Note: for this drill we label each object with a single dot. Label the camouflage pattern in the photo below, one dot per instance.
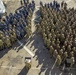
(73, 61)
(57, 28)
(1, 44)
(48, 43)
(12, 38)
(51, 50)
(45, 41)
(59, 60)
(55, 54)
(7, 42)
(61, 53)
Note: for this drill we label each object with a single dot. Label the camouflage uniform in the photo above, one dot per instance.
(65, 55)
(51, 50)
(58, 46)
(1, 44)
(65, 6)
(3, 39)
(55, 54)
(12, 39)
(61, 52)
(73, 61)
(68, 48)
(44, 35)
(1, 34)
(28, 31)
(71, 54)
(7, 42)
(48, 43)
(59, 60)
(50, 36)
(45, 41)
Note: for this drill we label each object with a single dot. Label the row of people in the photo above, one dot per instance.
(55, 5)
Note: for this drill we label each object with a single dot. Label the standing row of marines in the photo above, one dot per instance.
(15, 26)
(58, 29)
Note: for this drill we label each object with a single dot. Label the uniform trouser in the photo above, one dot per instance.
(22, 35)
(5, 45)
(51, 53)
(48, 45)
(12, 41)
(58, 63)
(55, 56)
(15, 39)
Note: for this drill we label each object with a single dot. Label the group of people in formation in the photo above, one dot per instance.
(57, 26)
(16, 26)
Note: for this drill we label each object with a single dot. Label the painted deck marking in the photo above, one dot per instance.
(26, 49)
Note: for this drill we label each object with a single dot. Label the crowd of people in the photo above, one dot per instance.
(57, 27)
(16, 26)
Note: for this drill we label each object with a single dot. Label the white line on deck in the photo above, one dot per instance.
(54, 65)
(7, 67)
(38, 68)
(26, 49)
(10, 67)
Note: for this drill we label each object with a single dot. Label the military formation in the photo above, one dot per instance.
(57, 27)
(16, 26)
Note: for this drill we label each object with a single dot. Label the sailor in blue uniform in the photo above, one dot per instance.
(50, 4)
(33, 5)
(54, 4)
(57, 6)
(22, 33)
(18, 34)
